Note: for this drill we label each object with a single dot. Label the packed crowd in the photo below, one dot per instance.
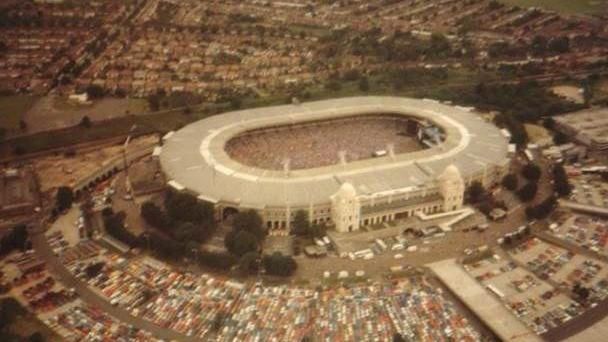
(320, 144)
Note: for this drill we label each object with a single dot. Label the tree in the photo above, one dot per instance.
(10, 309)
(317, 230)
(542, 210)
(36, 337)
(527, 192)
(65, 198)
(539, 45)
(549, 123)
(154, 102)
(249, 221)
(85, 122)
(153, 215)
(93, 270)
(510, 182)
(561, 185)
(333, 85)
(351, 75)
(19, 150)
(531, 172)
(235, 103)
(241, 242)
(186, 231)
(301, 224)
(16, 239)
(94, 91)
(476, 192)
(439, 46)
(185, 207)
(364, 84)
(248, 263)
(560, 138)
(412, 127)
(114, 226)
(398, 338)
(494, 5)
(279, 265)
(559, 44)
(220, 261)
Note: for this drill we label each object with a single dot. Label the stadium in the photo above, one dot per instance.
(347, 162)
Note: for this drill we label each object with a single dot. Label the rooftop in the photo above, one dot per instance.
(195, 158)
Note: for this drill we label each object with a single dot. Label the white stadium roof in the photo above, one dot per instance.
(194, 157)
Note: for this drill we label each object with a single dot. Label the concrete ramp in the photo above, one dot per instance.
(447, 226)
(459, 215)
(487, 307)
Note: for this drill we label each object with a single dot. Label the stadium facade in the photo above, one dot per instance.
(349, 194)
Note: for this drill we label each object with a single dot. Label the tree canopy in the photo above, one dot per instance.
(65, 198)
(250, 221)
(531, 172)
(561, 185)
(510, 182)
(527, 192)
(301, 224)
(241, 242)
(280, 265)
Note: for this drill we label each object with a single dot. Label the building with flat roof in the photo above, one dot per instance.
(18, 195)
(589, 127)
(354, 189)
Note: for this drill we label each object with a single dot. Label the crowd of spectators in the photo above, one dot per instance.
(321, 143)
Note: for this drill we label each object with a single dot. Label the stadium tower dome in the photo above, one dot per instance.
(451, 186)
(346, 208)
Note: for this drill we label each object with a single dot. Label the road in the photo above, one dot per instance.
(87, 295)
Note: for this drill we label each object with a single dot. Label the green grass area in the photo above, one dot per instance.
(537, 133)
(12, 108)
(27, 325)
(564, 6)
(425, 85)
(600, 92)
(457, 85)
(161, 122)
(126, 105)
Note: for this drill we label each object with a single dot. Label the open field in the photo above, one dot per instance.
(600, 91)
(569, 92)
(28, 324)
(12, 109)
(536, 132)
(111, 128)
(564, 6)
(51, 113)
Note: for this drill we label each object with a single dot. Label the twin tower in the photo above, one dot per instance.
(346, 205)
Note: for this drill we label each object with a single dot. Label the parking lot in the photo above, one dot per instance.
(535, 302)
(568, 269)
(590, 190)
(207, 306)
(585, 231)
